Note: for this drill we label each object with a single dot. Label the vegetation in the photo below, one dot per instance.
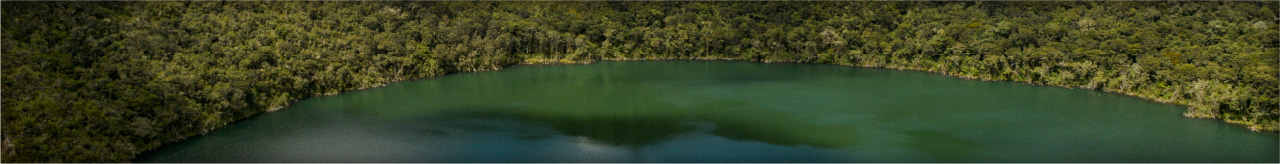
(104, 81)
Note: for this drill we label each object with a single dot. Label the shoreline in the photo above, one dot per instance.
(1182, 103)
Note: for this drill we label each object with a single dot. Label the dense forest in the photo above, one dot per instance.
(104, 81)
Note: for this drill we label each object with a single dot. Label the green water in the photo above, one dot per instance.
(719, 111)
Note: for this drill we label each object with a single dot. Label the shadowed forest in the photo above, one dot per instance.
(105, 81)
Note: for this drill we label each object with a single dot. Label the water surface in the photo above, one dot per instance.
(721, 111)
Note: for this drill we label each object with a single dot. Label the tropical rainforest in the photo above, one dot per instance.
(105, 81)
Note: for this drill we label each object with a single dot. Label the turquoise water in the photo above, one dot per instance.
(721, 111)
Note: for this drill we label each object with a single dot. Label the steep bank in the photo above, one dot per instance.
(103, 81)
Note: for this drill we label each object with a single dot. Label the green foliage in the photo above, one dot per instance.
(104, 81)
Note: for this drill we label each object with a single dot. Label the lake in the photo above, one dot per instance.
(721, 111)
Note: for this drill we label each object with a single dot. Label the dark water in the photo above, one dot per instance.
(716, 111)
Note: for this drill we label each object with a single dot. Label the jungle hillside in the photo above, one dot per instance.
(105, 81)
